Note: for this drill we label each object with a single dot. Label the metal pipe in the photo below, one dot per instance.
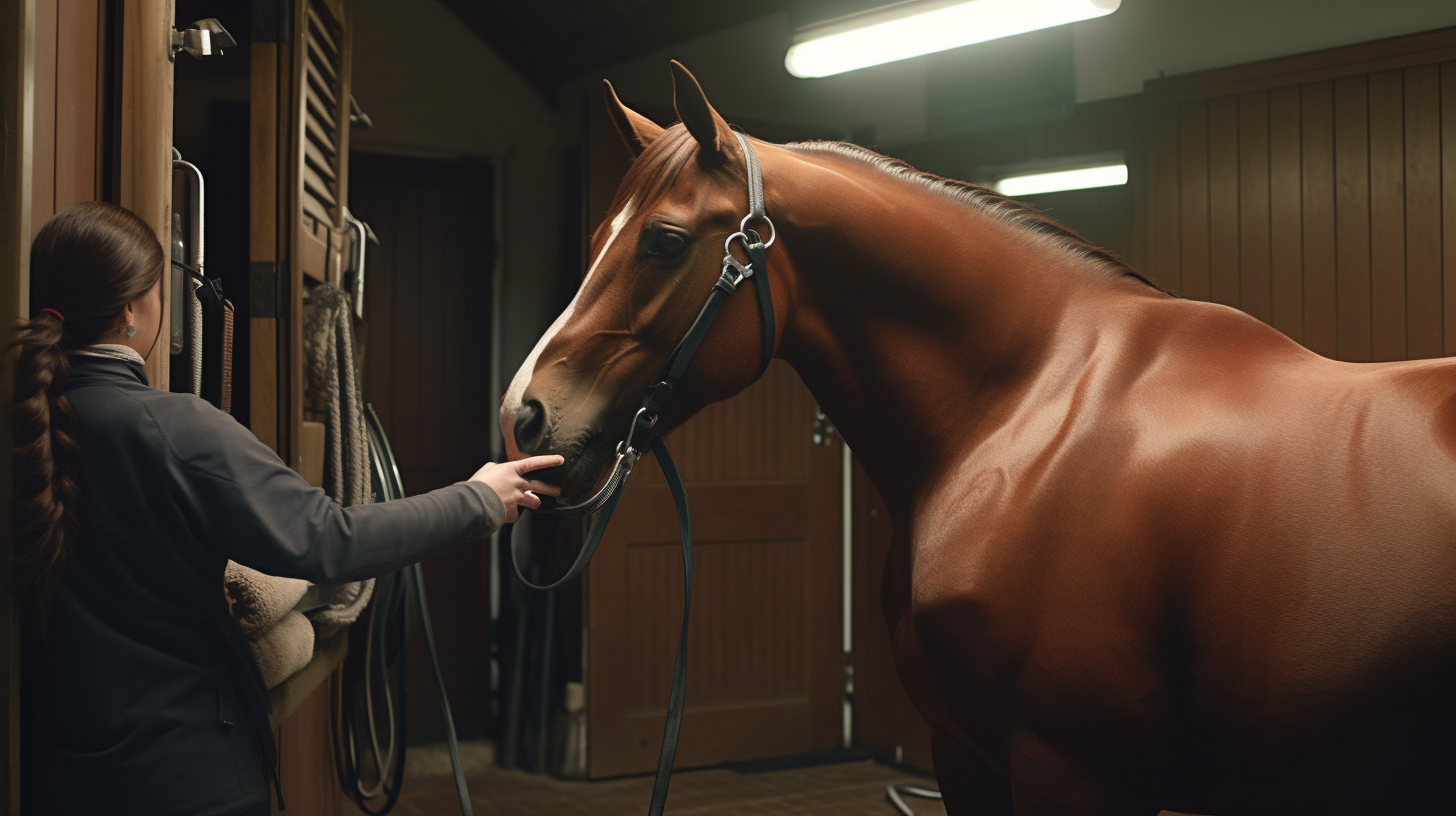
(361, 234)
(196, 215)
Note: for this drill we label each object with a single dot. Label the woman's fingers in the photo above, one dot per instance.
(544, 488)
(531, 463)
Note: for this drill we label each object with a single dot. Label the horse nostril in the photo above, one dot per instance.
(530, 426)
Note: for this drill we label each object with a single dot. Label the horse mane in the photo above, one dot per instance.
(986, 200)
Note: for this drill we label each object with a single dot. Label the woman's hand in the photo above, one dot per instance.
(508, 480)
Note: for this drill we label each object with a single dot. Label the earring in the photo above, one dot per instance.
(126, 330)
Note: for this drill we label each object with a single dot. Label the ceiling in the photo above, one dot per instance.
(550, 41)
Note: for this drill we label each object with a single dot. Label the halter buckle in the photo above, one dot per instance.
(734, 272)
(624, 448)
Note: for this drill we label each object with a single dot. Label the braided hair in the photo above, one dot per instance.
(86, 264)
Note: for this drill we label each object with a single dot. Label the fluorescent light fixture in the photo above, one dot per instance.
(912, 29)
(1081, 178)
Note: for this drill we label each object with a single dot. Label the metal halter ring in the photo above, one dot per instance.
(748, 237)
(773, 233)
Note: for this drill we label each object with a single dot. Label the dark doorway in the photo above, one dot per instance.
(426, 361)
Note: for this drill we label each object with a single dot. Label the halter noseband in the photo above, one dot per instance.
(640, 434)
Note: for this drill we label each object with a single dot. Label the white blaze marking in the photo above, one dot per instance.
(516, 392)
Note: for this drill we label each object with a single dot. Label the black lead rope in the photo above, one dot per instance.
(677, 697)
(641, 436)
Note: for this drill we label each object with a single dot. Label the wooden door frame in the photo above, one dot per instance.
(143, 128)
(17, 86)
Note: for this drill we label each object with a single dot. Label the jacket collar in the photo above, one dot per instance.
(90, 370)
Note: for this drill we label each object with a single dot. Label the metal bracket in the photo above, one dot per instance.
(205, 38)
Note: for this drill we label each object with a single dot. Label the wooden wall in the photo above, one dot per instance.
(427, 300)
(69, 74)
(1317, 193)
(17, 70)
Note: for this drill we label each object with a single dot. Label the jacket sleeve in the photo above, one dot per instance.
(254, 509)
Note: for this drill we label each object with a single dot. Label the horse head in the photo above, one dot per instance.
(655, 258)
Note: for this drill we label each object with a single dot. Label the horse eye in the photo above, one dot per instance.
(665, 244)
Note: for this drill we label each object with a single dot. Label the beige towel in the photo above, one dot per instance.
(260, 601)
(284, 649)
(333, 606)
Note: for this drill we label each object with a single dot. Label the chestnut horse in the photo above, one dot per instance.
(1150, 553)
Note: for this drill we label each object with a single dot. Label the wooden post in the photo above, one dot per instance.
(144, 134)
(17, 83)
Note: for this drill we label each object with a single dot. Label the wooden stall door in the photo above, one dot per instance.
(298, 191)
(427, 297)
(298, 188)
(765, 664)
(1317, 193)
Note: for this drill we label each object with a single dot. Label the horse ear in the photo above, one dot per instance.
(637, 130)
(707, 127)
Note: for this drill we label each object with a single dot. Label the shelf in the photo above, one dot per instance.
(291, 693)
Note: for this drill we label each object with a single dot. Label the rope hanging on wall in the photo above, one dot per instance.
(333, 390)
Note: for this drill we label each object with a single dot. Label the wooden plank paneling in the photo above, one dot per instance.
(263, 249)
(1286, 213)
(1387, 216)
(304, 757)
(1317, 178)
(1352, 217)
(425, 300)
(17, 75)
(780, 512)
(1223, 200)
(1360, 59)
(1448, 205)
(1163, 210)
(77, 125)
(765, 665)
(1343, 223)
(1255, 278)
(1192, 182)
(143, 129)
(1423, 211)
(43, 156)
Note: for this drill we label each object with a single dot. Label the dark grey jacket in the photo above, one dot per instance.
(141, 672)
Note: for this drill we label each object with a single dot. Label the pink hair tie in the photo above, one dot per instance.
(56, 313)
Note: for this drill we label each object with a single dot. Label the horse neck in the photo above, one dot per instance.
(921, 323)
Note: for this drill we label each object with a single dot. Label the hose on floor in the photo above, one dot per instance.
(897, 793)
(399, 604)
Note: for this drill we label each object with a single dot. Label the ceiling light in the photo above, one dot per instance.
(912, 29)
(1080, 178)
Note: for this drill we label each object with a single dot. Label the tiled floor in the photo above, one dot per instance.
(842, 789)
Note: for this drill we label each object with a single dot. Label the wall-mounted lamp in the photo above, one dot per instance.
(1073, 178)
(911, 29)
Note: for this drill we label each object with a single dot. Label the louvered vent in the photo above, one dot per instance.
(322, 139)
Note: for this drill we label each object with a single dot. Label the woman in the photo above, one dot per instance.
(141, 694)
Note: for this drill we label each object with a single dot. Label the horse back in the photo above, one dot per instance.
(1216, 555)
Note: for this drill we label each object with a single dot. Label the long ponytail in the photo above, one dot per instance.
(45, 463)
(87, 263)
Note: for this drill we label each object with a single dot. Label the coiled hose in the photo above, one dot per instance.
(399, 604)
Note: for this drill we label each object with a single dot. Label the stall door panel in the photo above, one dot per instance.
(765, 666)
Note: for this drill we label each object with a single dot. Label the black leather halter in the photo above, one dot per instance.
(642, 435)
